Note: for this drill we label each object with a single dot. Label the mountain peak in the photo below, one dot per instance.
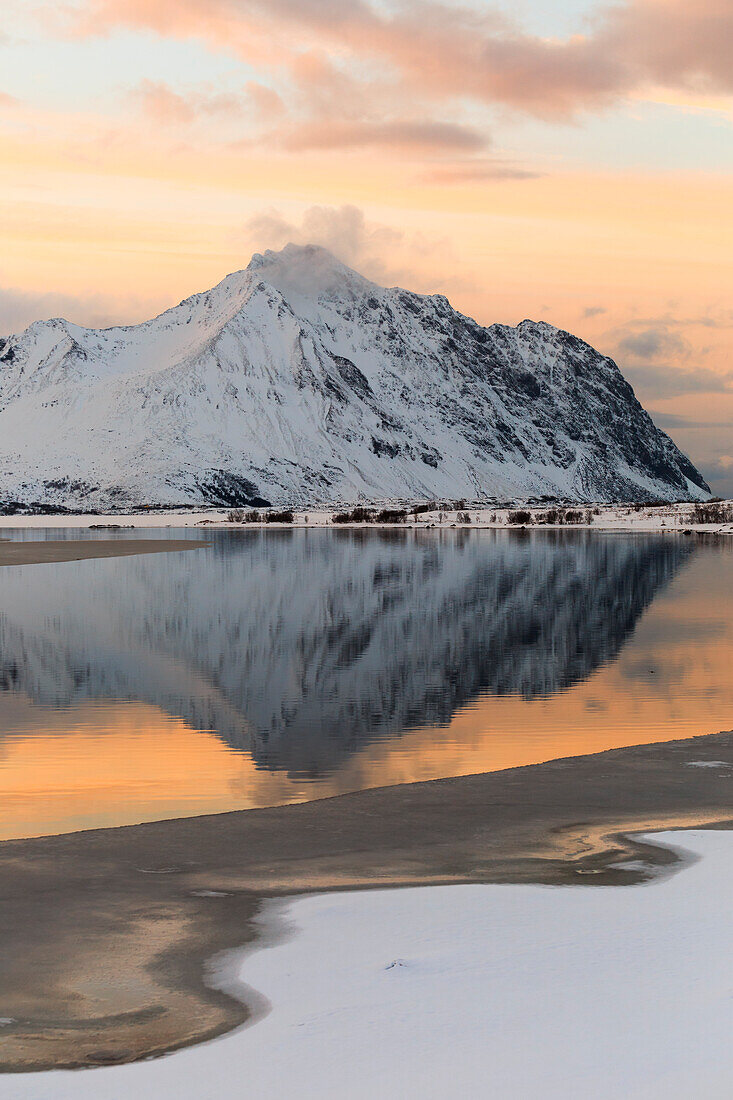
(305, 272)
(293, 255)
(298, 380)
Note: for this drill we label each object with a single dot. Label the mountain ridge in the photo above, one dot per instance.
(298, 381)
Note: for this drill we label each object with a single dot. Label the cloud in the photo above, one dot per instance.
(342, 230)
(719, 319)
(8, 101)
(658, 381)
(20, 308)
(708, 440)
(476, 170)
(331, 107)
(594, 311)
(266, 102)
(652, 343)
(660, 363)
(329, 110)
(443, 51)
(380, 252)
(162, 104)
(674, 43)
(424, 136)
(718, 473)
(169, 108)
(671, 421)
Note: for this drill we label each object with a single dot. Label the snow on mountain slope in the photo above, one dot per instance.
(297, 380)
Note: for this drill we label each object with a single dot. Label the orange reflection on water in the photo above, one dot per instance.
(114, 764)
(103, 764)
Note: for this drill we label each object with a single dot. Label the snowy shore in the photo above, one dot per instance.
(504, 990)
(599, 517)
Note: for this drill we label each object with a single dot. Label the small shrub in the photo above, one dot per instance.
(712, 512)
(253, 517)
(362, 515)
(356, 515)
(236, 515)
(391, 515)
(463, 517)
(279, 517)
(519, 516)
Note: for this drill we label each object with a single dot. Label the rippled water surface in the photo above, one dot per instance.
(275, 666)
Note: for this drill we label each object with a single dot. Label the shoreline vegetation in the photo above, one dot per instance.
(115, 970)
(713, 517)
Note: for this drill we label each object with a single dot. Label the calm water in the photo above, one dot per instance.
(279, 666)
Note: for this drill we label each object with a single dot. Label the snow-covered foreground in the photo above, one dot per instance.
(501, 991)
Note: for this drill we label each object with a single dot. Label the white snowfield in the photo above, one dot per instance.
(509, 992)
(297, 380)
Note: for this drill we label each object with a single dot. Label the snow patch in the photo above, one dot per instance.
(516, 991)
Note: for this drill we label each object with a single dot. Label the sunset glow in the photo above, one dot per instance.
(567, 162)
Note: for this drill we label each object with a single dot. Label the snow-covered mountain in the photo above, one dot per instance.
(298, 381)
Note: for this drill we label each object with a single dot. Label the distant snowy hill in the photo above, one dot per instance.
(298, 381)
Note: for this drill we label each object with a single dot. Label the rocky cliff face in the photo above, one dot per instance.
(298, 381)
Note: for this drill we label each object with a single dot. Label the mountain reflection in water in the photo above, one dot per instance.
(306, 651)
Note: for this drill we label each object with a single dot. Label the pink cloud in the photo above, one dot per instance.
(446, 52)
(477, 170)
(162, 104)
(331, 111)
(424, 136)
(677, 43)
(169, 108)
(266, 102)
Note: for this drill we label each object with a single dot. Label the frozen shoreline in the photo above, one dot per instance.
(86, 991)
(505, 990)
(673, 518)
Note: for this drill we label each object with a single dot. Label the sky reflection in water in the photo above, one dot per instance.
(280, 666)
